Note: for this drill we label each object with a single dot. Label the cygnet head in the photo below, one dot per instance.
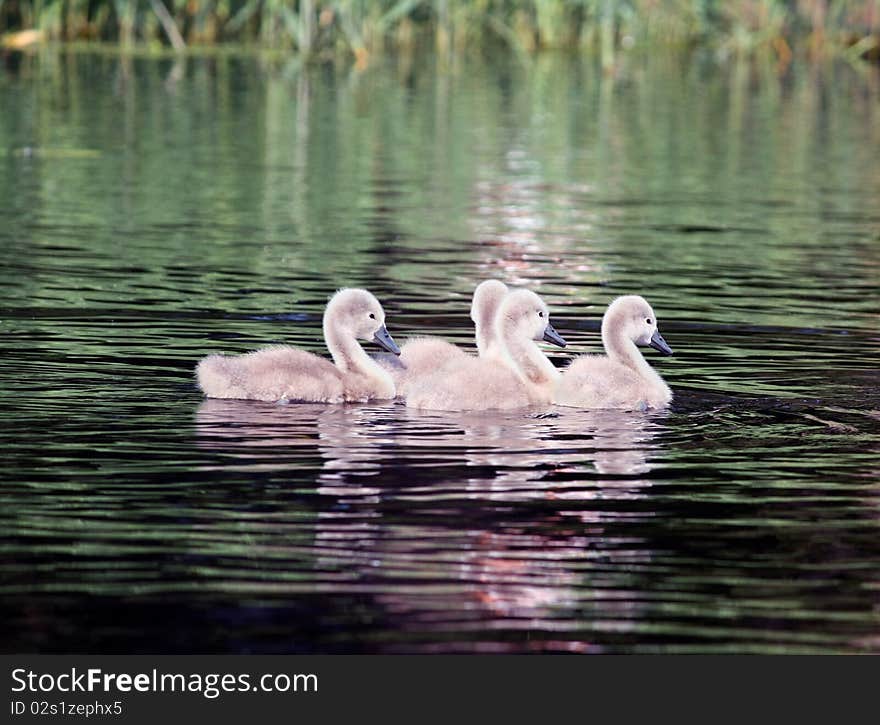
(355, 312)
(487, 299)
(631, 317)
(526, 314)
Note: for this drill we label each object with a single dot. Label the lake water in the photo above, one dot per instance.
(153, 212)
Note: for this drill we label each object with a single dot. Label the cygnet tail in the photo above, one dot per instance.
(216, 379)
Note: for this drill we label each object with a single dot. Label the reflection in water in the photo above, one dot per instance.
(216, 203)
(457, 576)
(522, 449)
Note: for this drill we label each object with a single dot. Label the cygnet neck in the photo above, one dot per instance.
(485, 310)
(349, 356)
(528, 359)
(623, 350)
(484, 332)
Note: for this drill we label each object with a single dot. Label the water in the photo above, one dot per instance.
(154, 211)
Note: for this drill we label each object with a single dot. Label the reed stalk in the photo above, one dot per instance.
(785, 28)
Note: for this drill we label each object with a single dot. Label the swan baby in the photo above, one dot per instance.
(488, 297)
(513, 374)
(621, 378)
(422, 356)
(282, 373)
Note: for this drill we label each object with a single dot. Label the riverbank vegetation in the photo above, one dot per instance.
(783, 28)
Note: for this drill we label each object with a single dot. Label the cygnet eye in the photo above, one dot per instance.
(648, 320)
(372, 316)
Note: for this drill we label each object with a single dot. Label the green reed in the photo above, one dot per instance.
(364, 27)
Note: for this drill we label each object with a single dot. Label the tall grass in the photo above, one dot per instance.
(364, 27)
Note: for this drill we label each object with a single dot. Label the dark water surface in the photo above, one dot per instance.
(153, 212)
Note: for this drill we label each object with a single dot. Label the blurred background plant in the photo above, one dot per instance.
(784, 28)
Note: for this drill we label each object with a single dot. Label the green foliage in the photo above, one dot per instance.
(364, 27)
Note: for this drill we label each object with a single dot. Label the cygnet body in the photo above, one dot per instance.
(621, 378)
(516, 374)
(283, 373)
(424, 356)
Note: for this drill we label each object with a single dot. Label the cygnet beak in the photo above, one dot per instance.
(383, 339)
(658, 343)
(553, 337)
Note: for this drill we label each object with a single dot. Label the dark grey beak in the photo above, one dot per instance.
(553, 337)
(383, 339)
(658, 343)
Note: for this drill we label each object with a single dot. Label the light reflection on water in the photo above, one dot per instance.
(450, 580)
(214, 206)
